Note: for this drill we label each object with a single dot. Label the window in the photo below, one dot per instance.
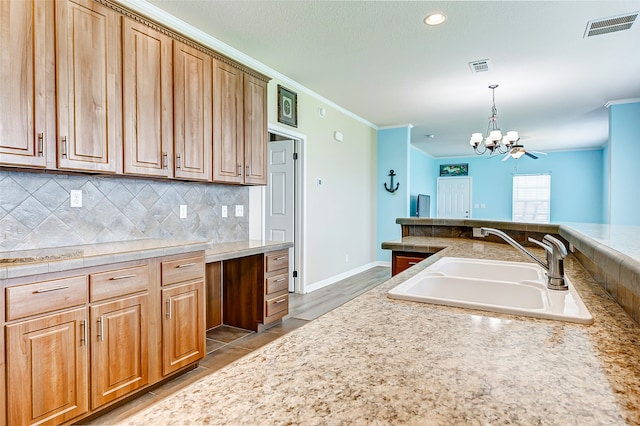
(531, 198)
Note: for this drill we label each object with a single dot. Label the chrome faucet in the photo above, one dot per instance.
(555, 250)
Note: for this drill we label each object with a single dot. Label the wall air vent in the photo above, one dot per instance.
(479, 66)
(610, 25)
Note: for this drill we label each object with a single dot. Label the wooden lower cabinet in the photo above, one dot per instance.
(79, 342)
(401, 260)
(256, 290)
(183, 333)
(47, 368)
(119, 348)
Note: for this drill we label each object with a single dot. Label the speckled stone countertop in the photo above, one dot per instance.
(40, 261)
(376, 360)
(225, 251)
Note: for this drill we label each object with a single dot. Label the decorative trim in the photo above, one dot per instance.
(176, 36)
(622, 101)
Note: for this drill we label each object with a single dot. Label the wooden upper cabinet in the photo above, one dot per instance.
(147, 100)
(255, 131)
(192, 109)
(228, 145)
(89, 90)
(26, 27)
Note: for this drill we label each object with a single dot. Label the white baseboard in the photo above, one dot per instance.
(332, 280)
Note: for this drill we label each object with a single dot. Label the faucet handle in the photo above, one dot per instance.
(548, 248)
(558, 246)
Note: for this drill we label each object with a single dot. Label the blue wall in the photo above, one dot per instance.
(624, 197)
(423, 169)
(576, 184)
(393, 154)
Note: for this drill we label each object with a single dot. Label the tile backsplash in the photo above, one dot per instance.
(35, 210)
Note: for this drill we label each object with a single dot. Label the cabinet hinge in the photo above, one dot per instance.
(295, 155)
(295, 274)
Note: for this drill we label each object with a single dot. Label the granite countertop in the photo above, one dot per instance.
(225, 251)
(385, 361)
(39, 261)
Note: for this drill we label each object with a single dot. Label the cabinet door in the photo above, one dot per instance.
(89, 93)
(255, 131)
(47, 368)
(183, 333)
(228, 145)
(192, 104)
(22, 82)
(147, 100)
(119, 351)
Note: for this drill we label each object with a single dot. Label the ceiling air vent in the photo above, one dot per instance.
(610, 25)
(479, 66)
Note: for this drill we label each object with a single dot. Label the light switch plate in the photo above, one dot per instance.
(224, 211)
(183, 211)
(239, 210)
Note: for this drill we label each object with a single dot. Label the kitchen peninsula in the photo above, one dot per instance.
(379, 360)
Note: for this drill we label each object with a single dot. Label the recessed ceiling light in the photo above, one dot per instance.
(435, 19)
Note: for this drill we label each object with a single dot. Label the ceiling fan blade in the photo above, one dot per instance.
(531, 155)
(538, 152)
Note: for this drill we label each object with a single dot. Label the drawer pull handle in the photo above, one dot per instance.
(168, 309)
(123, 277)
(279, 301)
(46, 290)
(186, 265)
(413, 263)
(280, 258)
(280, 280)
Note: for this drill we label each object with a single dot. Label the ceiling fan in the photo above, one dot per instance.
(516, 151)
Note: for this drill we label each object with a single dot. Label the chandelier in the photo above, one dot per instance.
(493, 141)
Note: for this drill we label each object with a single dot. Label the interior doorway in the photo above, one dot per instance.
(454, 197)
(284, 199)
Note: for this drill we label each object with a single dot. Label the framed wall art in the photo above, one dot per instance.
(454, 169)
(287, 106)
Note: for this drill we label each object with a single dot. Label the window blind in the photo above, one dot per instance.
(532, 198)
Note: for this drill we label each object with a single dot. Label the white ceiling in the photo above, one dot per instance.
(382, 63)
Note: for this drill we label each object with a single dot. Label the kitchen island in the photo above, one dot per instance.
(378, 360)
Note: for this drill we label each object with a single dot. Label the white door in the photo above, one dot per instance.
(279, 203)
(454, 197)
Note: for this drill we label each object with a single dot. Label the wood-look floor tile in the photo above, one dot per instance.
(181, 381)
(122, 412)
(226, 333)
(225, 356)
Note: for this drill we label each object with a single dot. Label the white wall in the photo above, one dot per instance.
(340, 214)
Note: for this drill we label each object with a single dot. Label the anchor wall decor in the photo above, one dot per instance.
(391, 188)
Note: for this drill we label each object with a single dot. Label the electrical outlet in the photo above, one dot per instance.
(477, 233)
(318, 181)
(76, 198)
(224, 211)
(183, 211)
(239, 210)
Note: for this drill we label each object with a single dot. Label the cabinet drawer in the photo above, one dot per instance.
(277, 283)
(119, 282)
(176, 271)
(46, 296)
(276, 305)
(277, 260)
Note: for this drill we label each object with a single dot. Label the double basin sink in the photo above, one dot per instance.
(496, 286)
